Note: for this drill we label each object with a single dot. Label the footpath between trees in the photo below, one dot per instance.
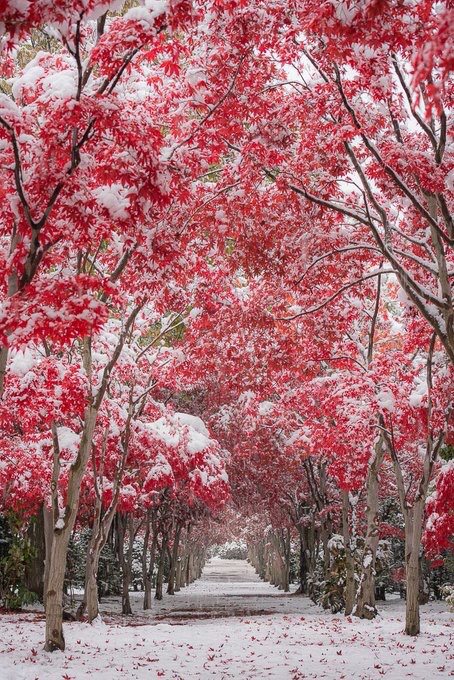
(230, 625)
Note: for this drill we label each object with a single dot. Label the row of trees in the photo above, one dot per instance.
(238, 210)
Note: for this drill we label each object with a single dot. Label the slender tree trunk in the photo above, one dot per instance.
(91, 588)
(286, 546)
(312, 558)
(178, 567)
(12, 288)
(145, 574)
(127, 565)
(302, 588)
(100, 533)
(349, 559)
(190, 568)
(126, 609)
(173, 561)
(61, 534)
(160, 574)
(413, 534)
(48, 538)
(54, 595)
(365, 596)
(148, 581)
(34, 569)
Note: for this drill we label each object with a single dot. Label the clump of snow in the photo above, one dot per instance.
(193, 422)
(60, 85)
(265, 407)
(22, 362)
(115, 200)
(160, 468)
(195, 76)
(148, 14)
(8, 110)
(68, 440)
(367, 561)
(419, 393)
(336, 542)
(60, 523)
(386, 400)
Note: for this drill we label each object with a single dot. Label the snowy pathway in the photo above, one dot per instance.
(231, 626)
(227, 588)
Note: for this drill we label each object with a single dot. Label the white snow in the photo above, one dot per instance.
(114, 199)
(60, 85)
(265, 407)
(194, 422)
(230, 625)
(386, 400)
(22, 362)
(68, 439)
(419, 393)
(147, 15)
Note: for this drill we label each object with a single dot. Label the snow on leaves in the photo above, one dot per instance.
(56, 309)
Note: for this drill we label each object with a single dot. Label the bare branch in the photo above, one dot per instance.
(360, 246)
(337, 293)
(370, 349)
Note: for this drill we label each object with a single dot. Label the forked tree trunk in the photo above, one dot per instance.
(414, 513)
(365, 597)
(101, 528)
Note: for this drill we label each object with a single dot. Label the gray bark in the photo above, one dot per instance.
(365, 596)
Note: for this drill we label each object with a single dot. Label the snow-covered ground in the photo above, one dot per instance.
(229, 624)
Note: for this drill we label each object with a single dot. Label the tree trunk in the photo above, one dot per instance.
(302, 588)
(126, 563)
(160, 574)
(173, 561)
(13, 287)
(413, 534)
(61, 534)
(178, 570)
(349, 559)
(126, 609)
(286, 561)
(365, 596)
(187, 570)
(35, 568)
(54, 594)
(91, 588)
(100, 533)
(147, 571)
(148, 581)
(48, 539)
